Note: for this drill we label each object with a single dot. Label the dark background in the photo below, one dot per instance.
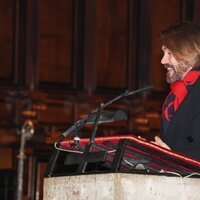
(59, 59)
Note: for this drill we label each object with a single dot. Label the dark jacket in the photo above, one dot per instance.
(183, 133)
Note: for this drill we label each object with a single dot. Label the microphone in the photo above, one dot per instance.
(97, 117)
(103, 105)
(128, 93)
(107, 116)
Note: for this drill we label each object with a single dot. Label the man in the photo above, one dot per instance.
(180, 129)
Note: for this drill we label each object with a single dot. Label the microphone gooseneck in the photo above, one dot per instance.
(101, 116)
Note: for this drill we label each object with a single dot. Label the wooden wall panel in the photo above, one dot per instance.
(196, 13)
(7, 113)
(162, 15)
(109, 32)
(6, 40)
(60, 112)
(6, 161)
(111, 43)
(143, 51)
(55, 41)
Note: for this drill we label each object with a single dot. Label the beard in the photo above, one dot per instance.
(176, 73)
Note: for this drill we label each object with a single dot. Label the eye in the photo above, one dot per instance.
(169, 53)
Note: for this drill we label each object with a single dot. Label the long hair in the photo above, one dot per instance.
(183, 40)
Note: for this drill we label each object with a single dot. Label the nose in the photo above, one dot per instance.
(164, 59)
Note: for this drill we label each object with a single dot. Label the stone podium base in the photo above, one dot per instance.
(120, 186)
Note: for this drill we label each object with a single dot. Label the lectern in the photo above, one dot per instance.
(121, 167)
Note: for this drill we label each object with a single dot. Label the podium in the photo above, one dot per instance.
(123, 168)
(120, 154)
(121, 186)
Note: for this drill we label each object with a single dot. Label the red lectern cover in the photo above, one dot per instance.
(140, 154)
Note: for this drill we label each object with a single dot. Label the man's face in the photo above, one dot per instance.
(175, 70)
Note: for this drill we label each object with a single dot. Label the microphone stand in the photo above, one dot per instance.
(88, 149)
(79, 124)
(103, 105)
(75, 127)
(96, 123)
(82, 167)
(26, 133)
(127, 93)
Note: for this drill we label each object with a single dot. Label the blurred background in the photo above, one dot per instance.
(59, 59)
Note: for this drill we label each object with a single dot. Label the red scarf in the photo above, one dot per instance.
(179, 90)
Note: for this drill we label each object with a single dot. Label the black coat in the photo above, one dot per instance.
(183, 133)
